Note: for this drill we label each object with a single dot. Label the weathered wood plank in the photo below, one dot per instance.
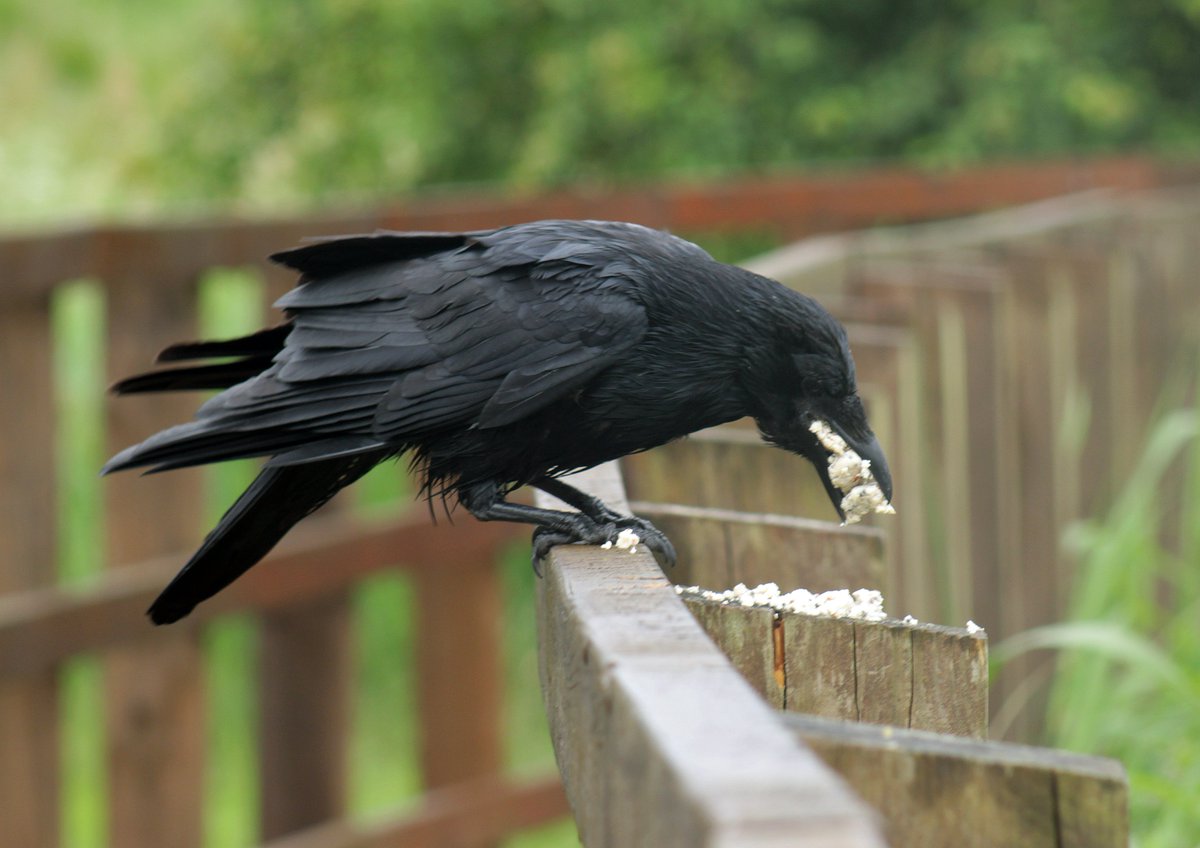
(460, 677)
(29, 779)
(304, 680)
(44, 627)
(154, 704)
(720, 548)
(464, 814)
(949, 681)
(939, 791)
(660, 743)
(918, 676)
(742, 634)
(790, 206)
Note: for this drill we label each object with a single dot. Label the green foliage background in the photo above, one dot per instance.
(133, 108)
(128, 105)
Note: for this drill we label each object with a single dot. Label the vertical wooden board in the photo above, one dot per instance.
(1029, 357)
(720, 548)
(938, 791)
(988, 476)
(931, 802)
(883, 666)
(819, 666)
(154, 695)
(459, 670)
(728, 468)
(888, 363)
(29, 779)
(747, 636)
(1091, 811)
(155, 743)
(304, 697)
(949, 681)
(702, 546)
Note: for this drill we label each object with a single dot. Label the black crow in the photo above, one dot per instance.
(495, 360)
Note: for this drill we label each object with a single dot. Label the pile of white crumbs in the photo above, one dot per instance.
(864, 604)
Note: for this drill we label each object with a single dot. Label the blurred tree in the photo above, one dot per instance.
(283, 103)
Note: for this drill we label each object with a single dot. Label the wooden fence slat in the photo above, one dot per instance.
(459, 610)
(44, 627)
(919, 676)
(951, 312)
(304, 685)
(29, 779)
(660, 743)
(939, 791)
(463, 814)
(791, 206)
(718, 549)
(154, 705)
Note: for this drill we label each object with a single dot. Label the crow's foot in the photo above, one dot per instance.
(589, 532)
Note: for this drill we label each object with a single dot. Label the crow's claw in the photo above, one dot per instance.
(543, 540)
(588, 532)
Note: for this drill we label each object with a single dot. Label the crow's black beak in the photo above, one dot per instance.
(867, 448)
(879, 468)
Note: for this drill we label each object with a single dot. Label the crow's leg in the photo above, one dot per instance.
(604, 515)
(589, 505)
(555, 527)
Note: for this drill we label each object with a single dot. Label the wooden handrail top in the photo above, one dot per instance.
(659, 740)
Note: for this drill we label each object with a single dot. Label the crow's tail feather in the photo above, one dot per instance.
(255, 353)
(278, 498)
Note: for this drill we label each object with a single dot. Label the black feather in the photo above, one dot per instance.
(328, 257)
(275, 501)
(266, 343)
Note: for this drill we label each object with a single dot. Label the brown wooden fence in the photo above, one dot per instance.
(154, 705)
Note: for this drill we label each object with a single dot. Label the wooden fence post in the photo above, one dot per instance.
(29, 781)
(459, 670)
(155, 702)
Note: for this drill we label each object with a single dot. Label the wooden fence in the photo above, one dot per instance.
(154, 705)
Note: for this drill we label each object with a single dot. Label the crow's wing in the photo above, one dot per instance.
(392, 337)
(478, 337)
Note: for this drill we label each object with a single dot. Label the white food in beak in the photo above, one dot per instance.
(852, 475)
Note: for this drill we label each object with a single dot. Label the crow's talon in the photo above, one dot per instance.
(543, 540)
(606, 533)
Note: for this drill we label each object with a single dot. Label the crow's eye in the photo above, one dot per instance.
(819, 376)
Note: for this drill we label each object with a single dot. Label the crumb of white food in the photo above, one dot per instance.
(606, 545)
(909, 619)
(850, 473)
(973, 628)
(629, 540)
(863, 604)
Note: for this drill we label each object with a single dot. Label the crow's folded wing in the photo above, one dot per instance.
(478, 337)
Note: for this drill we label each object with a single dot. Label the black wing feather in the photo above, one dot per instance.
(275, 501)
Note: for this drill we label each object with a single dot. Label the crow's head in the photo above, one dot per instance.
(800, 372)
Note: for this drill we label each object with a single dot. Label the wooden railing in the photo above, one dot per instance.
(154, 727)
(832, 732)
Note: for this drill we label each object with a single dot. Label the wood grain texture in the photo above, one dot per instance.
(154, 704)
(720, 548)
(659, 741)
(938, 791)
(304, 686)
(459, 609)
(790, 207)
(918, 676)
(41, 628)
(464, 814)
(29, 781)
